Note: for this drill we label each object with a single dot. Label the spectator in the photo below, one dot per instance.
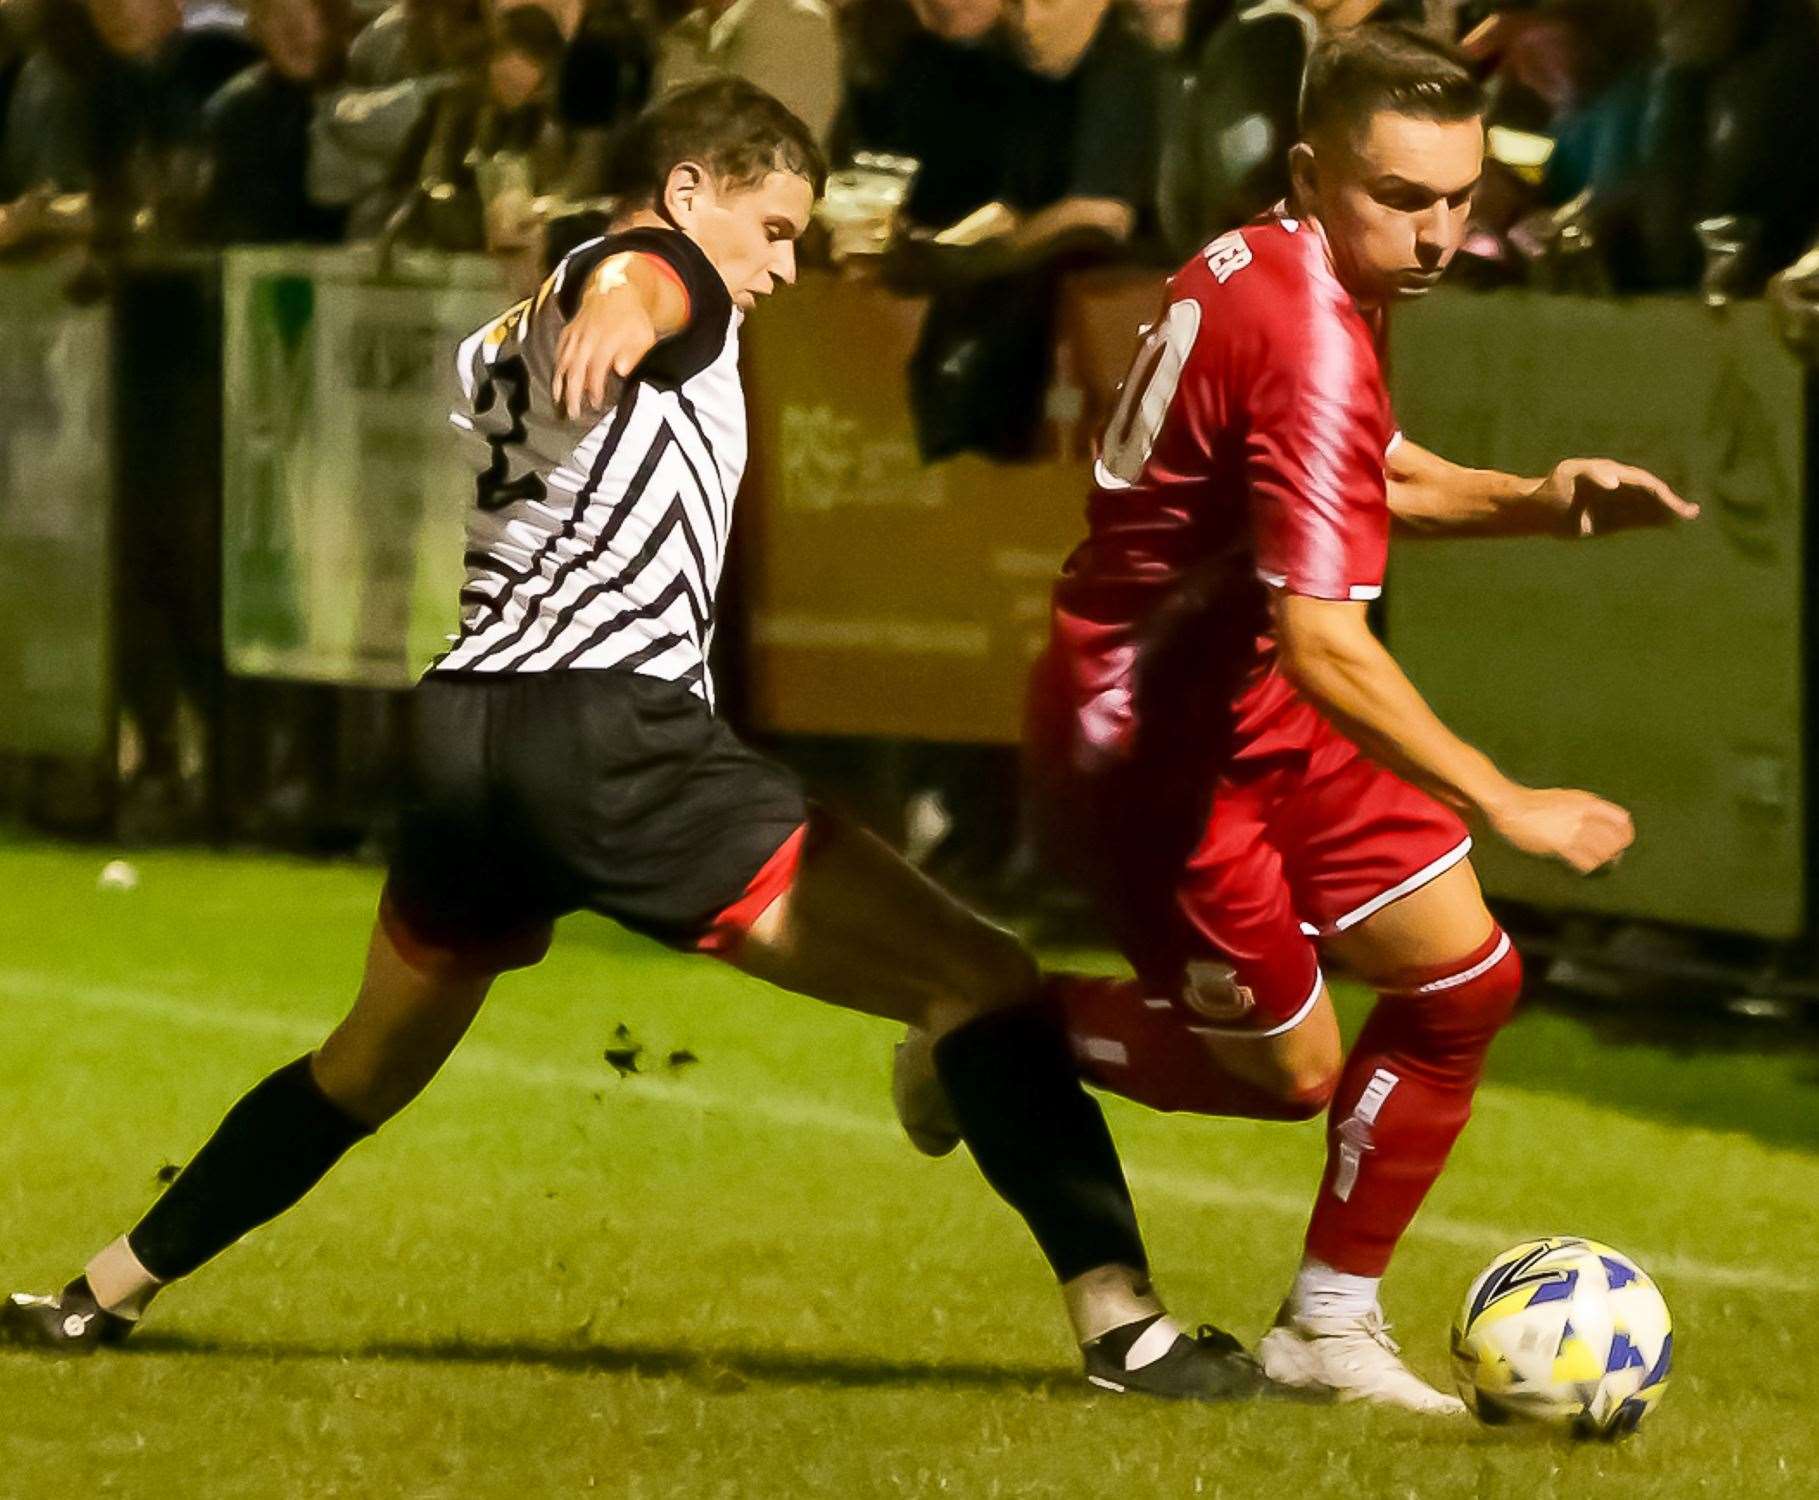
(789, 48)
(107, 106)
(1230, 111)
(1731, 117)
(1085, 159)
(396, 67)
(489, 146)
(17, 22)
(607, 70)
(1161, 23)
(256, 129)
(1588, 63)
(1035, 127)
(932, 80)
(606, 79)
(1040, 112)
(565, 13)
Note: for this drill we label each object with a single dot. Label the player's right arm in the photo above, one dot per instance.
(629, 303)
(1318, 429)
(1328, 651)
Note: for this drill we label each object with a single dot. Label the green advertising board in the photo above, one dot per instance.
(345, 494)
(56, 505)
(1665, 670)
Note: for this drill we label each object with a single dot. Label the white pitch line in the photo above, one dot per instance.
(477, 1058)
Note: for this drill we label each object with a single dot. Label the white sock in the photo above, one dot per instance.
(121, 1285)
(1110, 1297)
(1321, 1292)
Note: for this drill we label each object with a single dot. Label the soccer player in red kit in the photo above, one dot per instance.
(1229, 756)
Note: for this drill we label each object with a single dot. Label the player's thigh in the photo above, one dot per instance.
(1301, 1063)
(1236, 958)
(1379, 868)
(1433, 925)
(408, 1017)
(860, 927)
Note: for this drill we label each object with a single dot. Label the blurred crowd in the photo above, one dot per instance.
(982, 147)
(1639, 144)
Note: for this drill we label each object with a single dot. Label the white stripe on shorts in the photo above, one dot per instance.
(1396, 892)
(1290, 1024)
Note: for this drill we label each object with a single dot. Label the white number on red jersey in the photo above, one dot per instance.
(1143, 400)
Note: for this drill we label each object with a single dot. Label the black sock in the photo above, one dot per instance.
(1040, 1138)
(272, 1148)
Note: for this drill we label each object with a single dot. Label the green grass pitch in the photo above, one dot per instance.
(732, 1279)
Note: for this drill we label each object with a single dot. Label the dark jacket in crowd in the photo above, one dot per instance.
(986, 128)
(256, 131)
(82, 118)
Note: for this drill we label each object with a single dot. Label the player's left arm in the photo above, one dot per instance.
(1580, 497)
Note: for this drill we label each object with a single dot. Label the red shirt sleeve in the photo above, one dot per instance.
(1313, 456)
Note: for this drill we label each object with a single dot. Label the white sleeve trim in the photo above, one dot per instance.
(1354, 591)
(1106, 479)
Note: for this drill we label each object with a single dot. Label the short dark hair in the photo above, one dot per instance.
(530, 31)
(1355, 74)
(739, 133)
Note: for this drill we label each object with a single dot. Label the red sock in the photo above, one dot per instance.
(1403, 1099)
(1127, 1041)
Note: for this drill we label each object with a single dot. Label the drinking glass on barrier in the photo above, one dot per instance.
(1729, 243)
(862, 202)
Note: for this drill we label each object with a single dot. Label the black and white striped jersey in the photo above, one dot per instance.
(600, 544)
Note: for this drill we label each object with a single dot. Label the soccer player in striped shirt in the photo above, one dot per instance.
(566, 757)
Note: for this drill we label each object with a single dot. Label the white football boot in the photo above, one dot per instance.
(1353, 1357)
(917, 1095)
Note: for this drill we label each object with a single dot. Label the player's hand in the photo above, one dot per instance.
(1595, 496)
(599, 348)
(1576, 828)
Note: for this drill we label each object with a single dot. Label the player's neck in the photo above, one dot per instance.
(1369, 306)
(641, 218)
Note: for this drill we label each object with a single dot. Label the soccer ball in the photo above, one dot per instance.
(1563, 1331)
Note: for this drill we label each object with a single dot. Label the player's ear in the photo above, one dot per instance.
(685, 193)
(1303, 174)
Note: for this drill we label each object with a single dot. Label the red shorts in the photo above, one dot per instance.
(1220, 883)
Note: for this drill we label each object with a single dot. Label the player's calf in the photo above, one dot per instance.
(1040, 1140)
(1405, 1096)
(1126, 1041)
(273, 1146)
(279, 1140)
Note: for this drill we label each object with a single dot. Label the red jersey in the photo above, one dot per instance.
(1247, 453)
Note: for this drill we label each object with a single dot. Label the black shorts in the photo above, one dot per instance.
(537, 794)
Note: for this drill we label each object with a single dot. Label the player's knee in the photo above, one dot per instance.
(1465, 1008)
(370, 1084)
(1505, 990)
(1305, 1092)
(1307, 1064)
(357, 1092)
(1486, 997)
(997, 971)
